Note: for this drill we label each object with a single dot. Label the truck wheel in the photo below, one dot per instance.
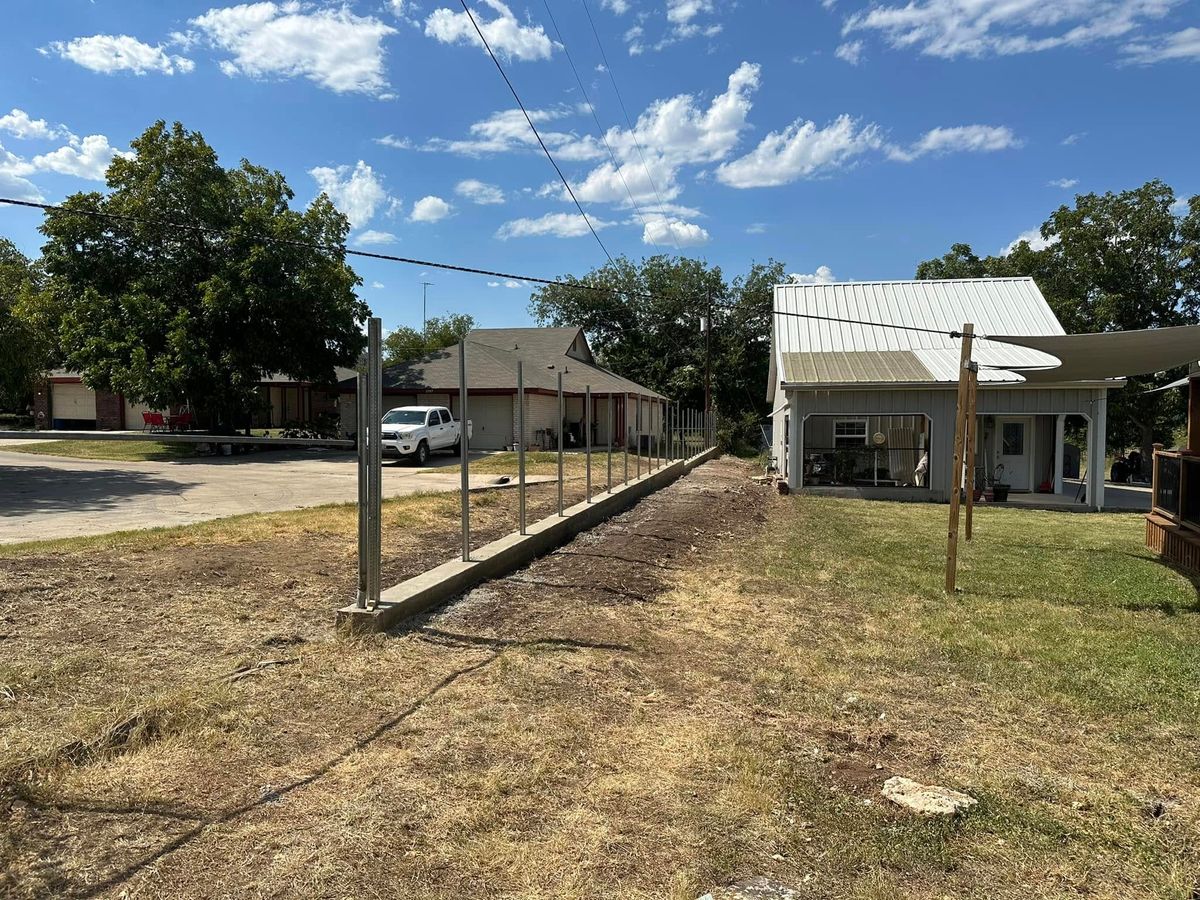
(457, 448)
(422, 455)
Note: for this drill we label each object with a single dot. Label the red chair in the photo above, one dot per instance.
(155, 421)
(181, 422)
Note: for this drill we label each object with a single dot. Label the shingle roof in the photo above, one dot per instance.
(492, 355)
(852, 354)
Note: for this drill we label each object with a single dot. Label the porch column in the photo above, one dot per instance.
(1060, 434)
(1099, 444)
(794, 467)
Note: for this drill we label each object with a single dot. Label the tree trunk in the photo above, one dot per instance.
(1147, 443)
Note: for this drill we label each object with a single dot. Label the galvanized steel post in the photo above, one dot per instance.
(587, 437)
(521, 443)
(637, 435)
(374, 456)
(464, 450)
(625, 437)
(562, 414)
(608, 481)
(363, 493)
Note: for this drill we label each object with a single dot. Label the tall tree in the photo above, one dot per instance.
(198, 280)
(657, 339)
(25, 345)
(440, 331)
(1112, 262)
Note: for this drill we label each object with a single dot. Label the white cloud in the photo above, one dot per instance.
(332, 47)
(959, 139)
(562, 225)
(506, 131)
(1180, 207)
(620, 7)
(86, 158)
(16, 187)
(823, 275)
(371, 237)
(506, 35)
(479, 192)
(1035, 239)
(1065, 183)
(430, 209)
(681, 12)
(398, 7)
(493, 284)
(851, 52)
(396, 143)
(109, 53)
(675, 232)
(357, 192)
(378, 285)
(1182, 45)
(976, 28)
(1072, 139)
(802, 150)
(756, 228)
(21, 125)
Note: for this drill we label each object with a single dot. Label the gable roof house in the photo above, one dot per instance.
(856, 407)
(492, 356)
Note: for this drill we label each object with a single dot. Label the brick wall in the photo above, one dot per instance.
(110, 411)
(41, 405)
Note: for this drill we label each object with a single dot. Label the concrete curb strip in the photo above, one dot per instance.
(506, 554)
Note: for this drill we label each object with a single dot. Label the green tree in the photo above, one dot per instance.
(1112, 262)
(406, 343)
(167, 314)
(25, 345)
(657, 340)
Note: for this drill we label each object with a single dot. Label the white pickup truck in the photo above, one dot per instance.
(413, 432)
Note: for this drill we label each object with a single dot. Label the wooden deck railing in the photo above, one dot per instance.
(1176, 487)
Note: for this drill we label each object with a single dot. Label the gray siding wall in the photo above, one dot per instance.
(939, 404)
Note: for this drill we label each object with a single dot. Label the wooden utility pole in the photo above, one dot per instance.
(956, 474)
(972, 439)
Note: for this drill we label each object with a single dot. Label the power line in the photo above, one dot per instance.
(599, 127)
(450, 267)
(536, 133)
(632, 131)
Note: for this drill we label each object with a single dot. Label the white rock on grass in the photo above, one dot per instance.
(926, 799)
(757, 888)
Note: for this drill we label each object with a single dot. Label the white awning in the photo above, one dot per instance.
(1110, 354)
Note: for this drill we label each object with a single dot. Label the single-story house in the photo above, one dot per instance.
(492, 356)
(857, 407)
(64, 401)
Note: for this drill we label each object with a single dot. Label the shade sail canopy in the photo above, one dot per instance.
(1113, 354)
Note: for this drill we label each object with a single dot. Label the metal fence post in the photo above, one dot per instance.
(637, 435)
(375, 457)
(587, 437)
(608, 481)
(464, 441)
(625, 437)
(521, 443)
(562, 414)
(363, 492)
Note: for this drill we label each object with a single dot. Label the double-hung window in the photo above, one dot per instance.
(849, 433)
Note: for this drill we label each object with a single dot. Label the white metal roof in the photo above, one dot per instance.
(1009, 306)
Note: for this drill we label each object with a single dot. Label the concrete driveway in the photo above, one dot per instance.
(44, 497)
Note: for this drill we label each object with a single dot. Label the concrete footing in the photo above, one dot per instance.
(507, 554)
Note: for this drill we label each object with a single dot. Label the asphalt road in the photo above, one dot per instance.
(44, 497)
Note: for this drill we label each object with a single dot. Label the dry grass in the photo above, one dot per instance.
(124, 451)
(701, 690)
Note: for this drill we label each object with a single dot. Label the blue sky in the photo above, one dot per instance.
(849, 139)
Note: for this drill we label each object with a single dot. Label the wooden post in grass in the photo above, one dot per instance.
(971, 434)
(956, 473)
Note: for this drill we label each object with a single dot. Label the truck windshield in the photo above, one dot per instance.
(404, 417)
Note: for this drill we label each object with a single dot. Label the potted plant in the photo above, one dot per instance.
(999, 488)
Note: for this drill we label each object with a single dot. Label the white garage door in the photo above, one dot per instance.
(491, 422)
(72, 401)
(133, 415)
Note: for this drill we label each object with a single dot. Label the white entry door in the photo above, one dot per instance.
(1014, 451)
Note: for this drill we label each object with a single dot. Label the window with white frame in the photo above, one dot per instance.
(849, 433)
